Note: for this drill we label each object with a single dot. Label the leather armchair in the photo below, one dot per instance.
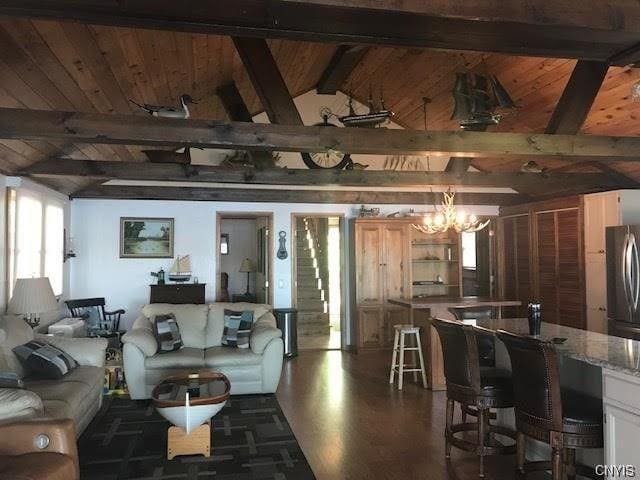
(39, 450)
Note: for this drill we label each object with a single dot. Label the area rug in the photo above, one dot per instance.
(251, 439)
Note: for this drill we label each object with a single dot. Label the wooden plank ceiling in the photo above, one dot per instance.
(55, 65)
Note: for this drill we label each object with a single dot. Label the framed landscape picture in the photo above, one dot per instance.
(146, 237)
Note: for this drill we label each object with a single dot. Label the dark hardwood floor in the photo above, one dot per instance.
(351, 424)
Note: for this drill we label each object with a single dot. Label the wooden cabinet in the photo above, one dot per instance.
(621, 418)
(177, 293)
(601, 210)
(382, 272)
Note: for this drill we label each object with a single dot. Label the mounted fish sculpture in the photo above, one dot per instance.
(181, 111)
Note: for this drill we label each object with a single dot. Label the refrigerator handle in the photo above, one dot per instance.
(635, 272)
(624, 270)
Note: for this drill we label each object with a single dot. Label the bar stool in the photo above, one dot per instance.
(563, 418)
(399, 346)
(475, 389)
(486, 343)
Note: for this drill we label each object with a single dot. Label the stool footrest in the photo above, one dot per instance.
(407, 349)
(405, 370)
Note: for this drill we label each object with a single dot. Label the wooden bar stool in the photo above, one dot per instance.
(476, 390)
(399, 346)
(563, 418)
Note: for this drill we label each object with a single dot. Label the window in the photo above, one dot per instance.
(35, 234)
(469, 250)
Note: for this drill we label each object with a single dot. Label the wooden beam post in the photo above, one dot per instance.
(574, 105)
(529, 183)
(99, 128)
(237, 111)
(267, 81)
(344, 60)
(291, 196)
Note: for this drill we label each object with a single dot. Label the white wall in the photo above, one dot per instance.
(98, 270)
(243, 243)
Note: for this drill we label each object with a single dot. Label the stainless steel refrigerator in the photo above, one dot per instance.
(623, 280)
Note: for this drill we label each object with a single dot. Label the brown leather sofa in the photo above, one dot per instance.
(39, 450)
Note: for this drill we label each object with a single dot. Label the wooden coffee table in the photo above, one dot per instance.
(189, 401)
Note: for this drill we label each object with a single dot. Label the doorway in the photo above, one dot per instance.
(244, 261)
(317, 286)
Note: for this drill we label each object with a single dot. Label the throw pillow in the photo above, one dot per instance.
(10, 380)
(167, 333)
(44, 360)
(237, 328)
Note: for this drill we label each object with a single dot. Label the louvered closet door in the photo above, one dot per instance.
(547, 265)
(570, 269)
(516, 273)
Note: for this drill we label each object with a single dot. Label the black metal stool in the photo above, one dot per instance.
(475, 389)
(564, 419)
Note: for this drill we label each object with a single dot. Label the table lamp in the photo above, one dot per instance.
(31, 297)
(247, 267)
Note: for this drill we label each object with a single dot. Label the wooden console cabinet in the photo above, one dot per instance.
(177, 293)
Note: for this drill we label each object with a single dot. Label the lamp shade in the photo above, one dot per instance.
(247, 266)
(32, 295)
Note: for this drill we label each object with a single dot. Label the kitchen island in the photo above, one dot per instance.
(601, 365)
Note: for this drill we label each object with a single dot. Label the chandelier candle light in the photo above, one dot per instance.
(449, 218)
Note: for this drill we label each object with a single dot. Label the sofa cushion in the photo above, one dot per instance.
(237, 328)
(167, 333)
(229, 357)
(72, 392)
(215, 322)
(186, 357)
(18, 403)
(192, 320)
(15, 332)
(44, 360)
(143, 339)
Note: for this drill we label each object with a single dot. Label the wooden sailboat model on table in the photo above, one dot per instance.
(181, 269)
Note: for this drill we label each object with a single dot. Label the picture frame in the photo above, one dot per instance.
(224, 244)
(146, 237)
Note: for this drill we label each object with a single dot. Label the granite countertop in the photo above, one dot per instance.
(606, 351)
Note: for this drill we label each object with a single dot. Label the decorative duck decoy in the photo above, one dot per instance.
(169, 112)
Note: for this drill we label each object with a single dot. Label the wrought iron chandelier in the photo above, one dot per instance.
(448, 217)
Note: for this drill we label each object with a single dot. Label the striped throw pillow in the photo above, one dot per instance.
(167, 333)
(237, 328)
(44, 360)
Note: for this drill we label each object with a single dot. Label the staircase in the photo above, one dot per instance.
(313, 279)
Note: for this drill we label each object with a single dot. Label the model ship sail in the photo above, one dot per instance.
(181, 269)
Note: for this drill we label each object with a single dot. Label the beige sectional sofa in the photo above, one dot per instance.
(78, 395)
(253, 370)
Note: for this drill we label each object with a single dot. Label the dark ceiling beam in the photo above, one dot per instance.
(345, 59)
(96, 128)
(610, 27)
(291, 196)
(574, 105)
(237, 111)
(267, 81)
(107, 170)
(577, 98)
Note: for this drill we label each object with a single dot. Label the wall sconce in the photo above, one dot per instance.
(67, 247)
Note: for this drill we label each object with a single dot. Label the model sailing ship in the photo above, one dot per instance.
(180, 271)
